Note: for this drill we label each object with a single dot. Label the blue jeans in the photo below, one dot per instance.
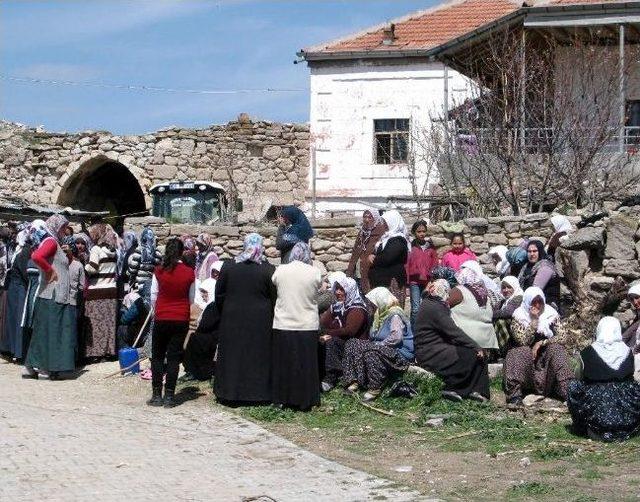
(415, 293)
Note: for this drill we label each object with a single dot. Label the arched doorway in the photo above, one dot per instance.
(102, 184)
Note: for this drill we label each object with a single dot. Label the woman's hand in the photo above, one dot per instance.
(535, 350)
(325, 338)
(52, 276)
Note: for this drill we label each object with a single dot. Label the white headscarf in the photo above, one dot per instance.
(561, 223)
(475, 267)
(634, 290)
(334, 277)
(208, 285)
(609, 345)
(515, 285)
(502, 267)
(548, 316)
(395, 228)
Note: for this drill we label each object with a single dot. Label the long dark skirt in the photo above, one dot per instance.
(548, 376)
(333, 356)
(26, 324)
(53, 342)
(468, 374)
(295, 378)
(99, 338)
(606, 411)
(12, 336)
(370, 365)
(199, 355)
(3, 310)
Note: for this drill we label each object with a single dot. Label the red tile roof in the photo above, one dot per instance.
(431, 28)
(427, 29)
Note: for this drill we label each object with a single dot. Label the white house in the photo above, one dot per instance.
(373, 97)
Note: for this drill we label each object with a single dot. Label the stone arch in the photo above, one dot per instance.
(103, 184)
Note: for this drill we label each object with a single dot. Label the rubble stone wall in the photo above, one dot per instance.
(268, 161)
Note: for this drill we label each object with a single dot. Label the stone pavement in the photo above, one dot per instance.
(94, 439)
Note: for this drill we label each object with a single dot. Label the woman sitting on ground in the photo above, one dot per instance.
(605, 404)
(493, 290)
(471, 309)
(498, 255)
(540, 272)
(369, 364)
(347, 318)
(443, 348)
(512, 293)
(538, 362)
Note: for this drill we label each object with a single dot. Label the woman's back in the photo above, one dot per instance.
(475, 320)
(174, 286)
(296, 306)
(244, 286)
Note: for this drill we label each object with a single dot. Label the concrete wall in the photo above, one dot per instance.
(345, 100)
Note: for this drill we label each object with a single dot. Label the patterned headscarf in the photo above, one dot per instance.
(353, 299)
(440, 289)
(386, 305)
(365, 230)
(470, 279)
(71, 242)
(301, 252)
(204, 242)
(253, 249)
(103, 234)
(446, 273)
(129, 242)
(147, 246)
(56, 224)
(84, 257)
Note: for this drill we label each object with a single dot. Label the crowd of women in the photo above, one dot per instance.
(284, 334)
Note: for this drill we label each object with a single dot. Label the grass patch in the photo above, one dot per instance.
(591, 473)
(529, 489)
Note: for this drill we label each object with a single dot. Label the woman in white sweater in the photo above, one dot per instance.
(295, 376)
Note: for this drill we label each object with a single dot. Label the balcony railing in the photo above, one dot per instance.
(545, 139)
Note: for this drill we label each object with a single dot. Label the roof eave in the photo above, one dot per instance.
(362, 54)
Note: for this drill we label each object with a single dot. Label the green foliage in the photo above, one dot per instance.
(530, 489)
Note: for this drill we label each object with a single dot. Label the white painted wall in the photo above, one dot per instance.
(344, 103)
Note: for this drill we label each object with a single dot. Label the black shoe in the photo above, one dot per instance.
(515, 403)
(169, 399)
(452, 396)
(156, 398)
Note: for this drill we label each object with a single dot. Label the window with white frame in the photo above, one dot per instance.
(391, 141)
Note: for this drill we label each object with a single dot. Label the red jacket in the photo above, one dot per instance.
(173, 302)
(420, 263)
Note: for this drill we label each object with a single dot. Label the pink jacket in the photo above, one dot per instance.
(454, 260)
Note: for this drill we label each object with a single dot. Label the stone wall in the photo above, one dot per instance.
(268, 161)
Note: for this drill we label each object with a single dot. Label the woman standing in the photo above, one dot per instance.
(371, 230)
(53, 341)
(172, 293)
(244, 298)
(540, 272)
(539, 361)
(458, 254)
(143, 261)
(129, 245)
(368, 364)
(390, 256)
(347, 318)
(77, 282)
(296, 381)
(293, 227)
(422, 259)
(605, 404)
(442, 347)
(101, 300)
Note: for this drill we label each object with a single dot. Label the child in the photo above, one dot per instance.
(458, 254)
(422, 259)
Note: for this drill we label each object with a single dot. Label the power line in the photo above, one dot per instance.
(144, 88)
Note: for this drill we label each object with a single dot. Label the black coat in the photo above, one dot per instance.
(596, 370)
(201, 349)
(389, 264)
(436, 336)
(245, 297)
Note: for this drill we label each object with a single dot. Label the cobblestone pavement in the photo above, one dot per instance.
(94, 439)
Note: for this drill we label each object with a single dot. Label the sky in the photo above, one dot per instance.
(190, 44)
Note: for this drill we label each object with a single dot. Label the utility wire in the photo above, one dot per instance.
(130, 87)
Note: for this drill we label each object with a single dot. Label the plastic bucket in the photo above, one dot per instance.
(127, 357)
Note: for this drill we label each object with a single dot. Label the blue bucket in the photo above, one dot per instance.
(127, 357)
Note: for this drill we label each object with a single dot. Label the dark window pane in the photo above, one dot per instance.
(402, 124)
(633, 114)
(383, 149)
(400, 148)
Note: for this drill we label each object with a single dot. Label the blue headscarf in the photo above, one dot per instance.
(298, 224)
(446, 273)
(517, 256)
(147, 246)
(253, 249)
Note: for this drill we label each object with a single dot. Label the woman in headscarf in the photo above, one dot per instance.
(517, 258)
(190, 251)
(369, 364)
(512, 294)
(446, 273)
(101, 298)
(538, 361)
(129, 244)
(499, 256)
(562, 227)
(605, 403)
(371, 229)
(390, 256)
(143, 262)
(16, 283)
(540, 272)
(443, 348)
(205, 257)
(53, 342)
(6, 248)
(83, 245)
(347, 318)
(77, 283)
(471, 309)
(493, 290)
(244, 298)
(296, 378)
(631, 335)
(293, 227)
